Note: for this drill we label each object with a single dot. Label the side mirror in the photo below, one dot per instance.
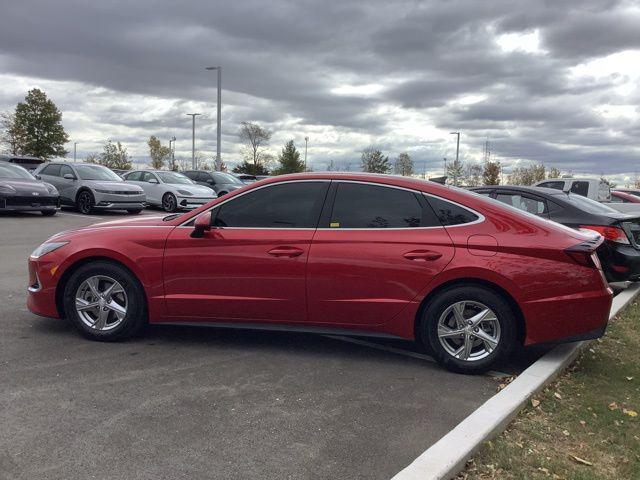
(69, 176)
(201, 225)
(38, 177)
(153, 180)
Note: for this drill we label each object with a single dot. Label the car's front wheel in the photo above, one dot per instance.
(169, 202)
(105, 301)
(85, 202)
(469, 328)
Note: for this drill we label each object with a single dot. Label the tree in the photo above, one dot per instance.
(491, 173)
(404, 165)
(289, 160)
(38, 122)
(158, 153)
(527, 175)
(554, 173)
(114, 155)
(373, 161)
(456, 171)
(473, 175)
(256, 139)
(92, 158)
(250, 168)
(12, 136)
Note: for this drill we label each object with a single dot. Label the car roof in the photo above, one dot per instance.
(539, 190)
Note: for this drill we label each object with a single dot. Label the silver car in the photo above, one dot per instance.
(88, 186)
(170, 190)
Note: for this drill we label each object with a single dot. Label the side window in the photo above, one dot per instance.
(372, 206)
(556, 185)
(581, 188)
(53, 170)
(202, 177)
(287, 205)
(65, 169)
(146, 176)
(134, 176)
(192, 175)
(449, 213)
(616, 199)
(528, 204)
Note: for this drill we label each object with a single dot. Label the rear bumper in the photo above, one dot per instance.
(620, 263)
(567, 318)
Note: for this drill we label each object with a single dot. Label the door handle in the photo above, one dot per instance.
(422, 255)
(286, 251)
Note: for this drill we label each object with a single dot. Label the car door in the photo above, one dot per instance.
(67, 186)
(51, 174)
(374, 251)
(251, 266)
(151, 186)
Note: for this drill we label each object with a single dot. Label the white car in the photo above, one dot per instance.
(593, 188)
(170, 190)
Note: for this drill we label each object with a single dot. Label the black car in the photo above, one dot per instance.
(21, 191)
(619, 253)
(221, 182)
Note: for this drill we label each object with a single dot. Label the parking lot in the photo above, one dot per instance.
(183, 402)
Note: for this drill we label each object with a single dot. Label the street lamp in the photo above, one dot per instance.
(455, 179)
(306, 144)
(193, 139)
(75, 144)
(219, 126)
(172, 150)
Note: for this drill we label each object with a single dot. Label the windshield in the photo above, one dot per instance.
(588, 205)
(96, 172)
(8, 170)
(227, 178)
(174, 178)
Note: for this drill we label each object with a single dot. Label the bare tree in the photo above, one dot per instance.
(256, 138)
(404, 165)
(473, 174)
(456, 171)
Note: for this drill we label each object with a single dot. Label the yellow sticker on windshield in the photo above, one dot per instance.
(334, 224)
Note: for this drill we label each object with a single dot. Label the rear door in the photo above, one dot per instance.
(376, 248)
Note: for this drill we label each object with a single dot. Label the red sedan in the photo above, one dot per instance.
(464, 275)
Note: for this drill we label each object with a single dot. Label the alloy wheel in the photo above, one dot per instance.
(84, 202)
(101, 303)
(468, 330)
(169, 203)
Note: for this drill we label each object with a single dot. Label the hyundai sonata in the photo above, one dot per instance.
(466, 276)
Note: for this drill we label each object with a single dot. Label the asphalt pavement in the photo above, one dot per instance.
(187, 402)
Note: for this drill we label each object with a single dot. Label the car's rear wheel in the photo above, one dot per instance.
(469, 328)
(85, 202)
(105, 301)
(48, 213)
(169, 202)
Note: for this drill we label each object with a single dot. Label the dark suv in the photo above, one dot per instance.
(221, 182)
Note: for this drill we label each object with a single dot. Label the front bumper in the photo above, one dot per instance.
(111, 201)
(31, 203)
(192, 202)
(41, 291)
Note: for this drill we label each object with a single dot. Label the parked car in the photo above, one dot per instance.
(630, 191)
(120, 172)
(221, 182)
(21, 191)
(246, 178)
(90, 187)
(170, 190)
(464, 275)
(27, 162)
(593, 188)
(624, 201)
(620, 252)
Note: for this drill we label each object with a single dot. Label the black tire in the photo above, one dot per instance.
(134, 211)
(169, 202)
(222, 194)
(85, 202)
(428, 329)
(136, 313)
(48, 213)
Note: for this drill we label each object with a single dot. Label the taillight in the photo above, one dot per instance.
(614, 234)
(585, 253)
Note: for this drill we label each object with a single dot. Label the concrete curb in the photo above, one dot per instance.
(448, 456)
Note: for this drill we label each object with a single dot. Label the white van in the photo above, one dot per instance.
(593, 188)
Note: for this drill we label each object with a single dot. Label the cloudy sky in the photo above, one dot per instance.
(543, 80)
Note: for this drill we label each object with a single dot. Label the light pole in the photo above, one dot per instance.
(445, 166)
(306, 144)
(455, 175)
(173, 152)
(219, 126)
(193, 139)
(75, 144)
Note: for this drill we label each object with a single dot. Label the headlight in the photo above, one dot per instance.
(47, 247)
(185, 192)
(51, 189)
(7, 189)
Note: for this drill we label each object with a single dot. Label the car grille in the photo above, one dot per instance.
(632, 229)
(32, 201)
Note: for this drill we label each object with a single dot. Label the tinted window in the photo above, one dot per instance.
(191, 175)
(289, 205)
(556, 185)
(449, 213)
(221, 177)
(531, 205)
(53, 170)
(134, 176)
(371, 206)
(66, 170)
(581, 188)
(202, 177)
